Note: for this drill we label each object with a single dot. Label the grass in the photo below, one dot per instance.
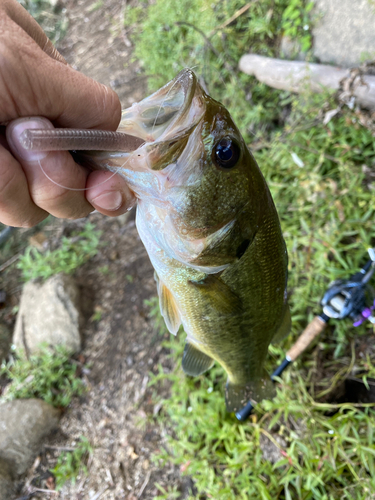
(170, 36)
(325, 450)
(71, 464)
(50, 375)
(321, 178)
(72, 253)
(50, 15)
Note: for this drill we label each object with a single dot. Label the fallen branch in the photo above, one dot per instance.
(295, 76)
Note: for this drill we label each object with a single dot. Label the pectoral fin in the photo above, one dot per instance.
(238, 395)
(223, 299)
(168, 307)
(194, 361)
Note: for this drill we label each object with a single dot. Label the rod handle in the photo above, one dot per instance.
(312, 330)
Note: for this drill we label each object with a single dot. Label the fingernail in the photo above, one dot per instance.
(14, 131)
(111, 200)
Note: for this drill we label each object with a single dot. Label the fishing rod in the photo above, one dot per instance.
(343, 299)
(5, 234)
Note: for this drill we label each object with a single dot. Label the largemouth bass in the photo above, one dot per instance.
(211, 230)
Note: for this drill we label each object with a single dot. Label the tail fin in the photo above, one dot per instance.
(238, 395)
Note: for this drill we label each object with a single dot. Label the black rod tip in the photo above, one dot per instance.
(245, 412)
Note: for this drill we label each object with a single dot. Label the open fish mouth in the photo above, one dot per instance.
(167, 113)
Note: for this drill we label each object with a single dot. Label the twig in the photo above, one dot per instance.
(341, 374)
(64, 448)
(315, 151)
(265, 145)
(10, 261)
(238, 13)
(228, 66)
(45, 491)
(5, 234)
(145, 483)
(99, 494)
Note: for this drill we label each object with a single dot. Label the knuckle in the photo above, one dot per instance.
(31, 221)
(63, 203)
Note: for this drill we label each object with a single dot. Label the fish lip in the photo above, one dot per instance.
(135, 123)
(188, 83)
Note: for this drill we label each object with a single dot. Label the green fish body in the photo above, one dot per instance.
(210, 227)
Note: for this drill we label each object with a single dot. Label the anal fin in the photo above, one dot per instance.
(168, 307)
(194, 361)
(238, 395)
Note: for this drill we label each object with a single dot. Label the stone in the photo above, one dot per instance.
(6, 483)
(344, 31)
(5, 338)
(49, 313)
(270, 451)
(24, 424)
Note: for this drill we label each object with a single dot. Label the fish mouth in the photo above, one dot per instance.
(166, 113)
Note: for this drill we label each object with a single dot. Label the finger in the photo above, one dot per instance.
(42, 86)
(13, 187)
(21, 17)
(109, 193)
(56, 182)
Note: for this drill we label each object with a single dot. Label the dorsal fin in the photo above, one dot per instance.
(168, 307)
(194, 361)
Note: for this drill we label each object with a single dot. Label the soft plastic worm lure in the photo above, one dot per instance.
(65, 139)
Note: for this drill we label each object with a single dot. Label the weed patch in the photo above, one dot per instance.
(51, 375)
(72, 253)
(71, 464)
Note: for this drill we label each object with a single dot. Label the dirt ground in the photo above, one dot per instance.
(116, 414)
(121, 349)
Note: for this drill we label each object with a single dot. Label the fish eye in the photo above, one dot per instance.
(226, 153)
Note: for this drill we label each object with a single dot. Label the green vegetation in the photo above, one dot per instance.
(320, 450)
(50, 375)
(72, 253)
(50, 15)
(170, 36)
(71, 464)
(321, 175)
(323, 451)
(296, 22)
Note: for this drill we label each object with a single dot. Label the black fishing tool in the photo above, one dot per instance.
(353, 298)
(5, 234)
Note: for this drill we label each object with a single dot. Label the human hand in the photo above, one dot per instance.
(35, 81)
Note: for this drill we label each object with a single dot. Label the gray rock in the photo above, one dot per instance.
(48, 313)
(6, 483)
(270, 451)
(24, 423)
(345, 31)
(5, 338)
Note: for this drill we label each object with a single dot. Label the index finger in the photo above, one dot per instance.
(21, 17)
